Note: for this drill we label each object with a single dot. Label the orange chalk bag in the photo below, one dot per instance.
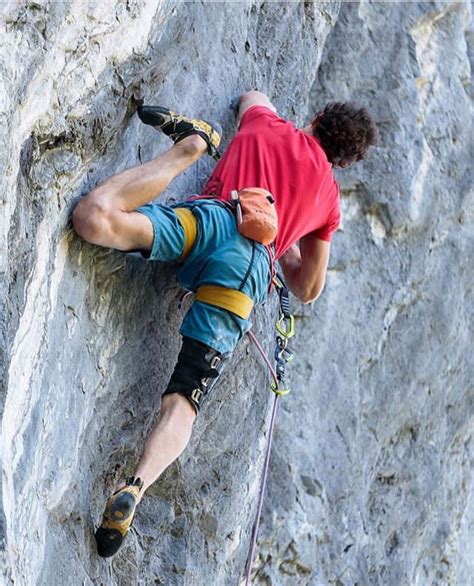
(257, 217)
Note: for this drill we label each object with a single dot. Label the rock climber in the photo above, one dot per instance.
(228, 272)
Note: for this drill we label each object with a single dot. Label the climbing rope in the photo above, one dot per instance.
(285, 327)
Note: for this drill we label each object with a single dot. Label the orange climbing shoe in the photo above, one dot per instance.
(178, 126)
(118, 517)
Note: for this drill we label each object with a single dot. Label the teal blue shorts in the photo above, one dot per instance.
(220, 256)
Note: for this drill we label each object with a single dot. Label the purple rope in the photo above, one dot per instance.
(263, 483)
(251, 335)
(262, 493)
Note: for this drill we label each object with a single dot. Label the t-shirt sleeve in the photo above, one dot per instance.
(254, 112)
(333, 221)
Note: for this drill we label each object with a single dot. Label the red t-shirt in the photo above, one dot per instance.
(270, 152)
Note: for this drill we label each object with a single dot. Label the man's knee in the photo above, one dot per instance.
(175, 405)
(92, 217)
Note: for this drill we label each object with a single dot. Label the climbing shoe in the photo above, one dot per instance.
(177, 126)
(118, 517)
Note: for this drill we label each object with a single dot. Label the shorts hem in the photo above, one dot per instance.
(211, 342)
(156, 228)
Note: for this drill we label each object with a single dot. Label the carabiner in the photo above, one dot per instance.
(286, 332)
(278, 391)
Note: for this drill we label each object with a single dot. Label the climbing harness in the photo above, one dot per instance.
(231, 300)
(285, 327)
(188, 222)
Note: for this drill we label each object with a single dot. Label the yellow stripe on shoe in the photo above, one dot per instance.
(229, 299)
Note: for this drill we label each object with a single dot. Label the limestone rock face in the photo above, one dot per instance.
(371, 478)
(374, 453)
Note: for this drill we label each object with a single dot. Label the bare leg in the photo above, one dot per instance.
(139, 185)
(167, 440)
(105, 216)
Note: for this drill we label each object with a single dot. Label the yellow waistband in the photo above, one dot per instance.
(189, 223)
(229, 299)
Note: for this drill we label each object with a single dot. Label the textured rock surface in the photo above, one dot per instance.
(372, 470)
(378, 470)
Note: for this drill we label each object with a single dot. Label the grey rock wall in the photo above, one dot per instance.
(374, 453)
(371, 479)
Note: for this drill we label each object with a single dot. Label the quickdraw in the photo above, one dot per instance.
(285, 327)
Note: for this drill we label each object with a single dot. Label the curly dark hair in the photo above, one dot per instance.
(345, 131)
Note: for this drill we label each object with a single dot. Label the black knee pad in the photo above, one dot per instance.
(196, 371)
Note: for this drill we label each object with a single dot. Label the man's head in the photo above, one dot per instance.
(345, 131)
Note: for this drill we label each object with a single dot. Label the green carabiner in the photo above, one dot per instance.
(286, 333)
(278, 391)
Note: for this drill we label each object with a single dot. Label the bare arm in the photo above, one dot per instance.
(305, 267)
(253, 99)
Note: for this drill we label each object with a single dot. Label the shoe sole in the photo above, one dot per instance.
(122, 507)
(110, 539)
